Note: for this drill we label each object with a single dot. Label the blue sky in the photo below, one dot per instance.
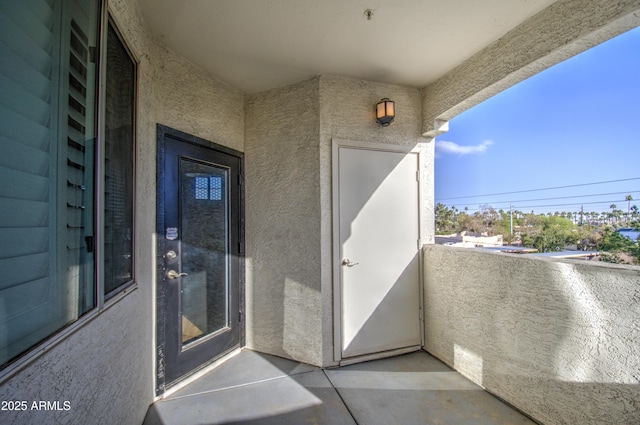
(573, 124)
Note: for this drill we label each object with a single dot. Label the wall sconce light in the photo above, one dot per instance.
(385, 112)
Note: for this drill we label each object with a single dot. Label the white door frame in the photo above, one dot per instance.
(419, 150)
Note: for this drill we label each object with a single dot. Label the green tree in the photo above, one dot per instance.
(551, 233)
(444, 219)
(628, 198)
(526, 239)
(613, 244)
(470, 223)
(489, 218)
(549, 240)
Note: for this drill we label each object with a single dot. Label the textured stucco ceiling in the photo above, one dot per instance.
(255, 45)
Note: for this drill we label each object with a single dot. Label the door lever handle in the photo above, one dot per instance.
(348, 263)
(172, 274)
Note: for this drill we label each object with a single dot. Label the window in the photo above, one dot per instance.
(50, 154)
(208, 187)
(119, 136)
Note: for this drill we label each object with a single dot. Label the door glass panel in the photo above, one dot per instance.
(204, 249)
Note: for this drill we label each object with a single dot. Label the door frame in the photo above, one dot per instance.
(164, 132)
(418, 149)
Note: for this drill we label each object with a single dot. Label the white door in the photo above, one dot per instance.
(378, 242)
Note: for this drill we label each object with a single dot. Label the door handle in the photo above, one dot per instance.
(172, 274)
(348, 263)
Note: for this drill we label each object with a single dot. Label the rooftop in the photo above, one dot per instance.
(632, 234)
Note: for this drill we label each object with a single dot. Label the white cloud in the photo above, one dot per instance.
(443, 147)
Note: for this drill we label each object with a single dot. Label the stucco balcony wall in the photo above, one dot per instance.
(557, 339)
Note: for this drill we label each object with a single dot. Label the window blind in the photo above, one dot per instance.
(119, 142)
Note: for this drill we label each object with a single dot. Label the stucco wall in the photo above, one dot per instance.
(347, 112)
(282, 222)
(103, 371)
(106, 369)
(288, 208)
(559, 32)
(557, 339)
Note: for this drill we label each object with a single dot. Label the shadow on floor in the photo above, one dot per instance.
(255, 388)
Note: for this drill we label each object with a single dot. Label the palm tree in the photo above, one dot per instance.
(628, 198)
(613, 211)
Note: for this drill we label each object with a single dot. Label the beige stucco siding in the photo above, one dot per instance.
(558, 339)
(289, 132)
(282, 222)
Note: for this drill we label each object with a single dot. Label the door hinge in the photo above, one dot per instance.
(93, 54)
(240, 316)
(240, 179)
(417, 176)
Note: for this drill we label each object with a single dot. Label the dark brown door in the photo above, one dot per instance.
(200, 251)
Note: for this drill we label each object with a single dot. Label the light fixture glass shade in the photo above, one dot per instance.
(385, 112)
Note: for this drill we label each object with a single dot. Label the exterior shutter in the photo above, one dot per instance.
(47, 93)
(27, 127)
(77, 184)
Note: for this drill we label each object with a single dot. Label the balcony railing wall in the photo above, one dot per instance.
(557, 339)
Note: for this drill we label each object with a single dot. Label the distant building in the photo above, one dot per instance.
(470, 240)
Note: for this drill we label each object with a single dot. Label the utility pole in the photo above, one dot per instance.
(511, 212)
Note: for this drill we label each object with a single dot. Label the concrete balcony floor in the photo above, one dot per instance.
(255, 388)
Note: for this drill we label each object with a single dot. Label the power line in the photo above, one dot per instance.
(578, 196)
(627, 192)
(547, 206)
(539, 190)
(566, 205)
